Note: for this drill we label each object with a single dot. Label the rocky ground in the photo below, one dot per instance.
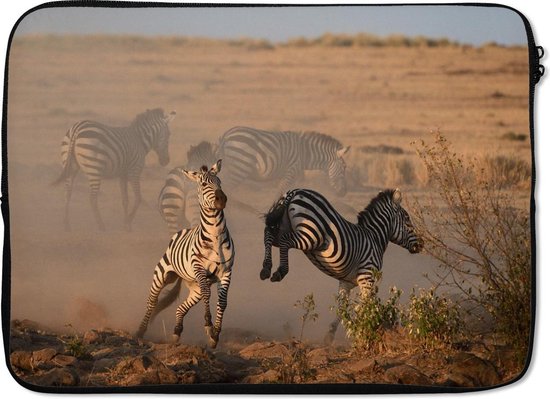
(106, 357)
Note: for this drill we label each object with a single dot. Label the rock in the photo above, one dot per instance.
(270, 376)
(318, 356)
(189, 377)
(103, 365)
(408, 375)
(363, 365)
(264, 350)
(468, 370)
(22, 360)
(145, 370)
(64, 360)
(57, 377)
(102, 353)
(43, 355)
(92, 337)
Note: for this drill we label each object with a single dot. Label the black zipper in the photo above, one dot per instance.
(538, 68)
(536, 71)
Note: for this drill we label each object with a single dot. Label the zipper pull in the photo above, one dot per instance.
(539, 68)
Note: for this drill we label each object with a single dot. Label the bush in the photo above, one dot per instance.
(366, 317)
(432, 320)
(505, 171)
(294, 366)
(482, 240)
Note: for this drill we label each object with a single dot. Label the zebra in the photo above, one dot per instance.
(253, 154)
(103, 151)
(177, 200)
(351, 253)
(199, 257)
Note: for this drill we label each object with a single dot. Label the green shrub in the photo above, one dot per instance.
(432, 320)
(366, 317)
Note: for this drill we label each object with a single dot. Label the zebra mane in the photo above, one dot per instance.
(147, 115)
(382, 196)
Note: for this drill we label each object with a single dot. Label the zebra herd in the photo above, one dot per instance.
(203, 253)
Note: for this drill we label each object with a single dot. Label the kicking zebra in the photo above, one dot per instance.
(252, 154)
(106, 152)
(177, 200)
(199, 257)
(348, 252)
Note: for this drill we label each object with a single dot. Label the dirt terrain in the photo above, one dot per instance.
(107, 357)
(379, 100)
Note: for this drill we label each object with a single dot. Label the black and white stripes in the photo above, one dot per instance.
(199, 256)
(348, 252)
(177, 200)
(256, 155)
(102, 151)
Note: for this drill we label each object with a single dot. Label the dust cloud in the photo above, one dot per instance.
(364, 97)
(91, 279)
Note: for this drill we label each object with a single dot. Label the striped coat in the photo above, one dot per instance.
(283, 157)
(177, 200)
(104, 152)
(199, 257)
(349, 252)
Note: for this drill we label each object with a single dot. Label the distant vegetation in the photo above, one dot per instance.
(325, 40)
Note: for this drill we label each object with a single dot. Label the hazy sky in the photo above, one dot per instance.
(467, 24)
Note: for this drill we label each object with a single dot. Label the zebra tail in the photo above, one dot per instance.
(167, 299)
(275, 214)
(71, 167)
(68, 171)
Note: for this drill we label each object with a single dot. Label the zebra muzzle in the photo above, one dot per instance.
(417, 246)
(220, 199)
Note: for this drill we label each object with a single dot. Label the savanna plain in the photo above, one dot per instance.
(78, 296)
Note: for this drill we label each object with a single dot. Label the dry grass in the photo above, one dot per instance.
(376, 97)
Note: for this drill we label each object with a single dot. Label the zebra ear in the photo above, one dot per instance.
(216, 168)
(343, 151)
(170, 117)
(397, 196)
(191, 175)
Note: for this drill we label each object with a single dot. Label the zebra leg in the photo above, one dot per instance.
(299, 240)
(223, 288)
(159, 281)
(204, 285)
(136, 188)
(344, 289)
(365, 281)
(124, 193)
(94, 191)
(265, 273)
(192, 299)
(68, 193)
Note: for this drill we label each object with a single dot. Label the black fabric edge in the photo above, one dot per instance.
(254, 388)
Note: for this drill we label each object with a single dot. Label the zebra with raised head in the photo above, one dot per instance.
(103, 152)
(177, 200)
(199, 257)
(257, 155)
(351, 253)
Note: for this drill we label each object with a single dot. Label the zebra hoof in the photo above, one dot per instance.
(276, 277)
(175, 338)
(265, 274)
(213, 336)
(212, 343)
